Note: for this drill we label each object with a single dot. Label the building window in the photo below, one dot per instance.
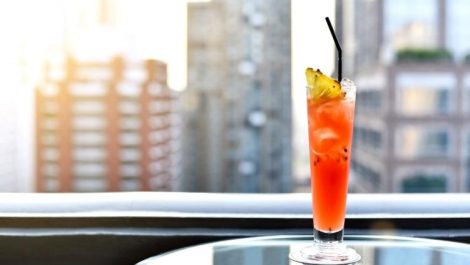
(366, 174)
(422, 142)
(420, 101)
(424, 182)
(369, 101)
(425, 94)
(368, 138)
(466, 93)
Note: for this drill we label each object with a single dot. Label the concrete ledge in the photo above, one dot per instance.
(124, 228)
(155, 204)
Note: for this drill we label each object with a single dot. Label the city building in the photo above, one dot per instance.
(413, 77)
(105, 126)
(238, 109)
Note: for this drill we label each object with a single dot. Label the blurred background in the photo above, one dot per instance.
(209, 96)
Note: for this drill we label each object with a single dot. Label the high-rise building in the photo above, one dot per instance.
(238, 123)
(410, 62)
(105, 126)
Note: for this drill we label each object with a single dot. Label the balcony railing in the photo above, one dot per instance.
(123, 228)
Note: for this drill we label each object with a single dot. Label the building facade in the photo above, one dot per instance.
(238, 125)
(105, 126)
(411, 131)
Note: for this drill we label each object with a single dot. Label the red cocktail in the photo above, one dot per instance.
(330, 106)
(330, 135)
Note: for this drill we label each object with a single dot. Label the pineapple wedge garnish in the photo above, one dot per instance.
(322, 87)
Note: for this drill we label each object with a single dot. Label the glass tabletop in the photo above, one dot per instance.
(375, 250)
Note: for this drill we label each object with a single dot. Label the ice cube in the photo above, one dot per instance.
(327, 112)
(349, 89)
(324, 140)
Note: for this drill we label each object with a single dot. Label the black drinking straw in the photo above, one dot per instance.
(338, 48)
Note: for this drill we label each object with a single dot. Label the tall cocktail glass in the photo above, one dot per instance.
(330, 129)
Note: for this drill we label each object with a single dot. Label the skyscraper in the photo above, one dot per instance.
(412, 73)
(238, 121)
(105, 126)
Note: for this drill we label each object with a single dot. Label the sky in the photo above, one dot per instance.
(158, 28)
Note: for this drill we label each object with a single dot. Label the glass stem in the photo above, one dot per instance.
(329, 242)
(321, 237)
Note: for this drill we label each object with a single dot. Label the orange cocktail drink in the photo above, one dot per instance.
(330, 136)
(330, 107)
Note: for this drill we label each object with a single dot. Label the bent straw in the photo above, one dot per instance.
(338, 48)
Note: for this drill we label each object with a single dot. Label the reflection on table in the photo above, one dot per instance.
(375, 250)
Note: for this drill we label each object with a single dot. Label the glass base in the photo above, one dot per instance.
(327, 248)
(314, 255)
